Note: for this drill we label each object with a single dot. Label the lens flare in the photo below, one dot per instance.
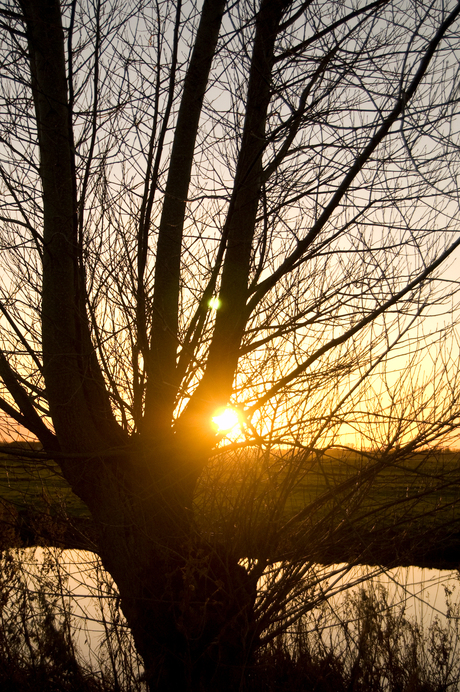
(226, 419)
(214, 303)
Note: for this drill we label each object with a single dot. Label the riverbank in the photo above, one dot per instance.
(409, 516)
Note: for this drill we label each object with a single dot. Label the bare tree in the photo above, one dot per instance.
(296, 164)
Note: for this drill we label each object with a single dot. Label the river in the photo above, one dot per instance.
(75, 583)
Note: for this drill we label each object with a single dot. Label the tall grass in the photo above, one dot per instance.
(48, 641)
(48, 644)
(373, 646)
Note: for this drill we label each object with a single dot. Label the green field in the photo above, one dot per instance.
(39, 484)
(407, 512)
(418, 485)
(37, 506)
(342, 506)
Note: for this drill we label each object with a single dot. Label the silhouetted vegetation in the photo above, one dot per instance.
(368, 645)
(208, 205)
(410, 514)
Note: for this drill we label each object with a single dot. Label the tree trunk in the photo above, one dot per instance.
(189, 604)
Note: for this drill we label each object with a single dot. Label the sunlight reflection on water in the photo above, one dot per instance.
(421, 590)
(427, 594)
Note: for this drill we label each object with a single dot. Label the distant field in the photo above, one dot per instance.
(431, 480)
(421, 484)
(39, 484)
(415, 504)
(408, 513)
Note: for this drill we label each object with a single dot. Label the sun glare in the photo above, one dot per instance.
(214, 303)
(226, 419)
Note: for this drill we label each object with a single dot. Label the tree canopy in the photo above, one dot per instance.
(248, 203)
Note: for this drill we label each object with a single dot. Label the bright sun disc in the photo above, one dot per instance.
(226, 419)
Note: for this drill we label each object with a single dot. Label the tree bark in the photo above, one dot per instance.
(189, 604)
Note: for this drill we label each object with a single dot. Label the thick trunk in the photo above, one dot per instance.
(189, 604)
(190, 609)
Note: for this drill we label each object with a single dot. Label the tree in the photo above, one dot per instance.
(296, 161)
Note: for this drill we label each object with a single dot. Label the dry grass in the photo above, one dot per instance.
(372, 646)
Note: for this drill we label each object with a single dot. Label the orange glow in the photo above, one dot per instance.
(226, 420)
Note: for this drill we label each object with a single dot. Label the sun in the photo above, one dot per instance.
(226, 419)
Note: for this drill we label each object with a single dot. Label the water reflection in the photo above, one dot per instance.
(426, 594)
(76, 584)
(57, 605)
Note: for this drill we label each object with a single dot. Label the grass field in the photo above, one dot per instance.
(422, 485)
(407, 512)
(343, 505)
(26, 483)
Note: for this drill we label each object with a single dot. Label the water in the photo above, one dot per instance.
(70, 590)
(78, 586)
(426, 594)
